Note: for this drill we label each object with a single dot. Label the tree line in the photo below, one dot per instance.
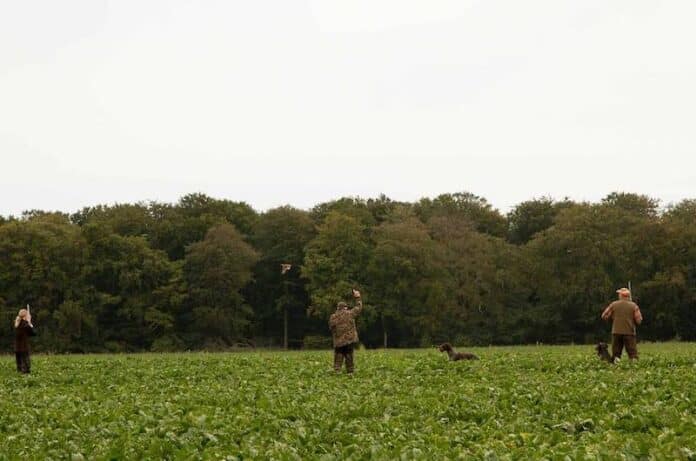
(205, 273)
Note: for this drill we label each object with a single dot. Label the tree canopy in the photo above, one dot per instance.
(206, 273)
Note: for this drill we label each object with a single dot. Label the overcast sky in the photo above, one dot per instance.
(297, 102)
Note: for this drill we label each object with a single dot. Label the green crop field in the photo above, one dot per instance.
(515, 403)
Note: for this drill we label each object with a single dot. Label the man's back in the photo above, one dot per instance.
(623, 315)
(22, 333)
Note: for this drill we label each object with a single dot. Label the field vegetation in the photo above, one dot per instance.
(532, 402)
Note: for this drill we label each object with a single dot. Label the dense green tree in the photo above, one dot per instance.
(173, 231)
(204, 272)
(531, 217)
(354, 207)
(47, 216)
(41, 260)
(240, 214)
(486, 219)
(670, 293)
(589, 252)
(124, 274)
(123, 219)
(683, 212)
(280, 235)
(405, 281)
(382, 207)
(336, 261)
(469, 265)
(216, 270)
(633, 203)
(177, 226)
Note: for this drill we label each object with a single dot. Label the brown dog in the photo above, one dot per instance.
(602, 349)
(454, 356)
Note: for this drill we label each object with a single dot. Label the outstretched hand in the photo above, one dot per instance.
(356, 294)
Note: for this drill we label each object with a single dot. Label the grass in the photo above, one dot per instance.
(545, 402)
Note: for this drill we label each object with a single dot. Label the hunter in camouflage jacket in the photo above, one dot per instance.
(342, 324)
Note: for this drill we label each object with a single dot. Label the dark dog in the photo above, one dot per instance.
(602, 349)
(453, 356)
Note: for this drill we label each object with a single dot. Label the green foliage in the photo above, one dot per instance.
(589, 252)
(125, 275)
(353, 207)
(335, 261)
(41, 261)
(515, 403)
(216, 270)
(480, 284)
(317, 342)
(531, 217)
(240, 214)
(205, 273)
(683, 212)
(405, 280)
(280, 235)
(641, 205)
(123, 219)
(467, 205)
(187, 222)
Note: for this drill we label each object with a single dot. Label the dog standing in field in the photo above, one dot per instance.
(602, 349)
(454, 356)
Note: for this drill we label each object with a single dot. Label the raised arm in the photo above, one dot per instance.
(357, 309)
(29, 326)
(358, 304)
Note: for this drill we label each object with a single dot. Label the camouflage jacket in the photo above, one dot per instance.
(342, 325)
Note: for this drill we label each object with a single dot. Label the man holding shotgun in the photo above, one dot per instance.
(23, 329)
(625, 315)
(344, 332)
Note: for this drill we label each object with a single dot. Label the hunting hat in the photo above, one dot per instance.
(624, 292)
(341, 305)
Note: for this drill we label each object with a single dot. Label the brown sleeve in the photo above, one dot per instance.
(357, 309)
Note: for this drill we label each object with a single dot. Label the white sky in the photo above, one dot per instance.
(289, 101)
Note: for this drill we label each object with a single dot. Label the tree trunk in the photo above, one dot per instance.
(285, 327)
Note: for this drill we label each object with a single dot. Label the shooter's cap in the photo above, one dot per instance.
(624, 292)
(342, 305)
